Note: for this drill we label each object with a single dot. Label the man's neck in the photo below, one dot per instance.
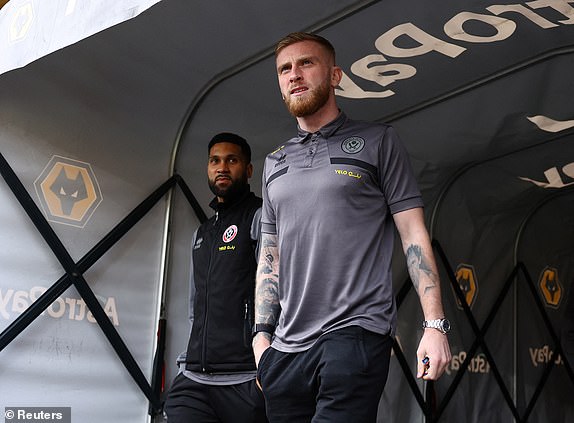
(320, 118)
(224, 203)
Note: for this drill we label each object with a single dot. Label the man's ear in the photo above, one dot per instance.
(336, 76)
(249, 170)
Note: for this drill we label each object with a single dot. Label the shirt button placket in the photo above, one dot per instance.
(308, 162)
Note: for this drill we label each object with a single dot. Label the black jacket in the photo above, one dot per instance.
(224, 266)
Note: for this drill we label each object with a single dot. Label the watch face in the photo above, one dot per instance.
(445, 325)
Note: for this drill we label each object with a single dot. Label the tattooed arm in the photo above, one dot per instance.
(266, 292)
(424, 275)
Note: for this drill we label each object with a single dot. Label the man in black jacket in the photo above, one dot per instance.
(216, 382)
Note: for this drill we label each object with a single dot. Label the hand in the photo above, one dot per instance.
(434, 346)
(261, 341)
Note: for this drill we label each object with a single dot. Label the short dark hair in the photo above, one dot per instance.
(233, 139)
(297, 37)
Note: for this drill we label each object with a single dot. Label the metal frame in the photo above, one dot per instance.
(74, 275)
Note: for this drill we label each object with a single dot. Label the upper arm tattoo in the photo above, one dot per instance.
(267, 282)
(418, 267)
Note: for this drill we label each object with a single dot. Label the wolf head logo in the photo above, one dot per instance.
(550, 286)
(468, 283)
(68, 191)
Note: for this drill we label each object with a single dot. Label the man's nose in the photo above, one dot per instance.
(295, 75)
(223, 167)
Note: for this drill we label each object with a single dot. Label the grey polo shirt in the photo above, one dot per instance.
(329, 197)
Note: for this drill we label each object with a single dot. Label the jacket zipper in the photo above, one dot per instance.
(248, 322)
(207, 283)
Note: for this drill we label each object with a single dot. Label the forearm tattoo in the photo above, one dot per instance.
(418, 268)
(267, 282)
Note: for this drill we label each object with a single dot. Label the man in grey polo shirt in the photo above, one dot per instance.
(324, 305)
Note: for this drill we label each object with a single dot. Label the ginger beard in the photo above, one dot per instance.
(310, 102)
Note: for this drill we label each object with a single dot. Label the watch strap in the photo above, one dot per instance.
(438, 324)
(263, 327)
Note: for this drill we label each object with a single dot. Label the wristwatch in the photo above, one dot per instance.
(442, 325)
(263, 327)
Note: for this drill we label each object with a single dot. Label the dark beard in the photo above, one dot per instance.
(317, 99)
(236, 188)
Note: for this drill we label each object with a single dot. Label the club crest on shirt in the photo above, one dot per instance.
(353, 145)
(229, 233)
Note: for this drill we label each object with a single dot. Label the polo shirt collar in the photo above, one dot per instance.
(326, 131)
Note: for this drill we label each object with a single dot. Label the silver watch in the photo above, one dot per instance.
(442, 325)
